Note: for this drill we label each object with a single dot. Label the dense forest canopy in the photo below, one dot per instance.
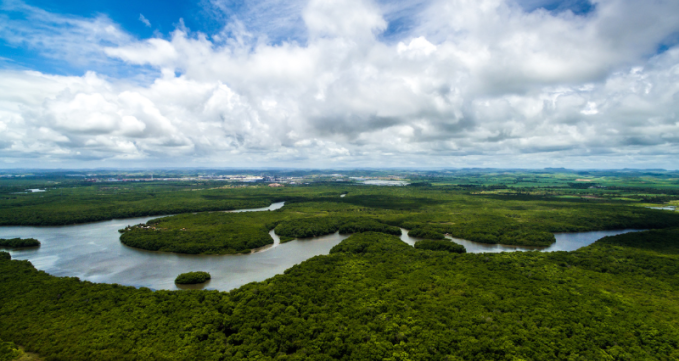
(373, 298)
(440, 245)
(190, 278)
(427, 213)
(68, 199)
(209, 233)
(9, 351)
(19, 242)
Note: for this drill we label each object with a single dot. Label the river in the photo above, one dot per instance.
(564, 242)
(93, 252)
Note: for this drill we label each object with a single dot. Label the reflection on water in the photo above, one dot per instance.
(564, 242)
(377, 182)
(93, 252)
(199, 286)
(272, 207)
(668, 208)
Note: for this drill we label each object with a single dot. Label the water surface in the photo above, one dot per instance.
(272, 207)
(93, 252)
(564, 242)
(377, 182)
(667, 208)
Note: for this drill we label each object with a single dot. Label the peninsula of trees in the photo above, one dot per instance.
(371, 298)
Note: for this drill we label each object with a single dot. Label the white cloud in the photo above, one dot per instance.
(144, 20)
(350, 19)
(480, 83)
(80, 41)
(417, 47)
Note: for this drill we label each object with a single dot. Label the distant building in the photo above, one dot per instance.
(275, 185)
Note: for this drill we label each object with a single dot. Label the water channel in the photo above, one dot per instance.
(564, 242)
(93, 252)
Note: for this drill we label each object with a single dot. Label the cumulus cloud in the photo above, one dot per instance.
(470, 83)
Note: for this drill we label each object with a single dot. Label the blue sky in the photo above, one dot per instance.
(163, 17)
(520, 83)
(158, 18)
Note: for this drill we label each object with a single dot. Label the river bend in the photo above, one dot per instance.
(93, 252)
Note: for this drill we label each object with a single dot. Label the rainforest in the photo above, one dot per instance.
(372, 296)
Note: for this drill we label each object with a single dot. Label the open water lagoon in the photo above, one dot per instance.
(93, 252)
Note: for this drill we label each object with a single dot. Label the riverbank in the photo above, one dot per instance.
(370, 300)
(93, 252)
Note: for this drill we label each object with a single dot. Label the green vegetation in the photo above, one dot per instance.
(191, 278)
(306, 227)
(373, 298)
(229, 233)
(209, 233)
(9, 351)
(506, 234)
(425, 232)
(19, 242)
(370, 242)
(318, 226)
(93, 203)
(69, 199)
(440, 245)
(428, 212)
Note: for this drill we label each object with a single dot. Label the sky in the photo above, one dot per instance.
(339, 83)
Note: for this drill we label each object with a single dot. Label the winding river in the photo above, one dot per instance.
(564, 242)
(93, 252)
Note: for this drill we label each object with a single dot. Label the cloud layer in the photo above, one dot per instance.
(470, 83)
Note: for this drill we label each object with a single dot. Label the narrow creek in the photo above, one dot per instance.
(93, 252)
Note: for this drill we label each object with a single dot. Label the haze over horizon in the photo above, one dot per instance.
(329, 83)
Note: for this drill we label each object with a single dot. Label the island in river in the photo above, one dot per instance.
(371, 296)
(19, 242)
(428, 212)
